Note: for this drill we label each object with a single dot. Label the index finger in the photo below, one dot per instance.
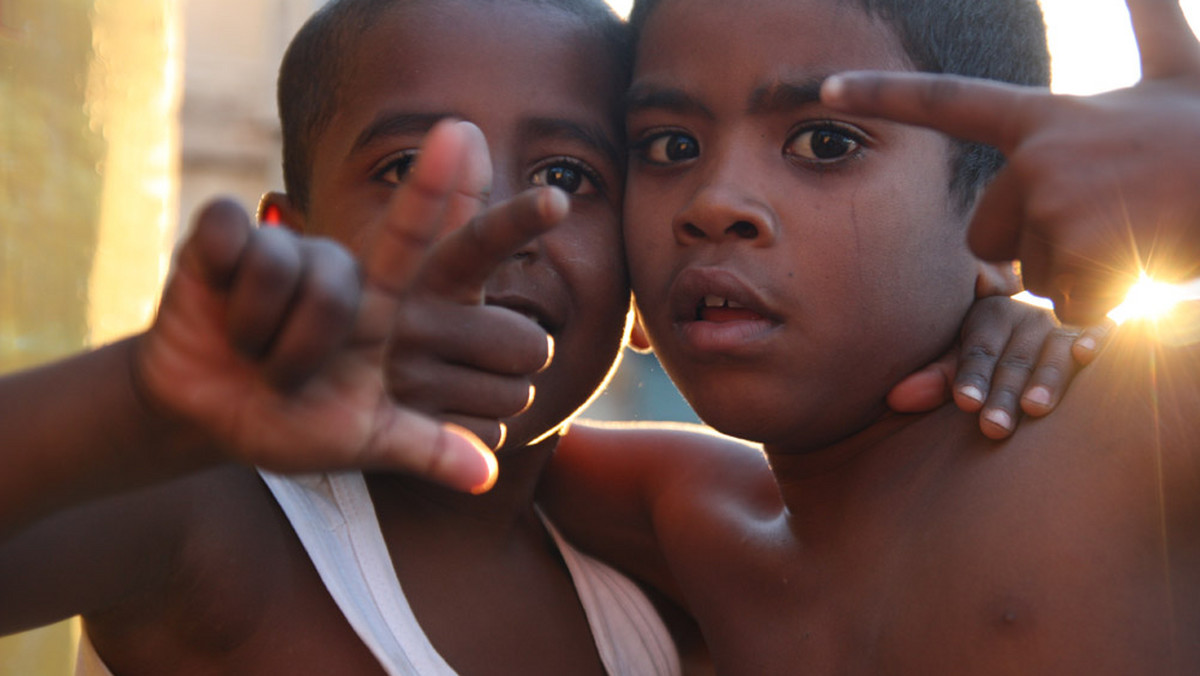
(462, 261)
(417, 211)
(1166, 44)
(996, 113)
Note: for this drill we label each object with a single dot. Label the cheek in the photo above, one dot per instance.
(591, 260)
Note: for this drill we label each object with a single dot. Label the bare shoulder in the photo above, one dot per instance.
(92, 557)
(229, 548)
(241, 597)
(1145, 385)
(1132, 412)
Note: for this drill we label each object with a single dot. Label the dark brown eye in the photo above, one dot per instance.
(397, 169)
(669, 148)
(571, 177)
(823, 144)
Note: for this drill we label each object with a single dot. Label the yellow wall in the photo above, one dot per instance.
(88, 141)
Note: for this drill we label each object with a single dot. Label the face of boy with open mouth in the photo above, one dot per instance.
(791, 263)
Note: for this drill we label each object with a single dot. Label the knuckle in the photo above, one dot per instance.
(939, 92)
(1051, 373)
(331, 304)
(1016, 363)
(271, 262)
(979, 352)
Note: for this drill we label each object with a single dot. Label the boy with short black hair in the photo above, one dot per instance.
(790, 258)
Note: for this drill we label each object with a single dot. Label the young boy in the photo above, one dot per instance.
(208, 572)
(773, 239)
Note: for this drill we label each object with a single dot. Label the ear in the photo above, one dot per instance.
(275, 210)
(637, 335)
(998, 279)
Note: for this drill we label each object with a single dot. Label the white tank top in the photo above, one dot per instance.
(335, 520)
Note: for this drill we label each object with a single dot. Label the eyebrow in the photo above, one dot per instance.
(589, 135)
(649, 97)
(390, 123)
(783, 96)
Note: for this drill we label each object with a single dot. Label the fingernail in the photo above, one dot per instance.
(999, 418)
(833, 89)
(469, 466)
(493, 471)
(554, 204)
(477, 171)
(549, 353)
(1086, 343)
(1039, 395)
(971, 392)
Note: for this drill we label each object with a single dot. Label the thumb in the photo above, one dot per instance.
(440, 452)
(925, 389)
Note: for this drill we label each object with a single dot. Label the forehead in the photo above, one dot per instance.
(489, 62)
(752, 43)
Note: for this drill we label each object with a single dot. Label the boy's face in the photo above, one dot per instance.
(834, 239)
(545, 94)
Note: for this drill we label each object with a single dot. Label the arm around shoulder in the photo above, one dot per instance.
(611, 487)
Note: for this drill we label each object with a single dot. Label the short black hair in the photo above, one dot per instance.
(315, 61)
(1001, 40)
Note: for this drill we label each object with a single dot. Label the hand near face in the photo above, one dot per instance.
(1096, 188)
(454, 357)
(273, 344)
(1012, 359)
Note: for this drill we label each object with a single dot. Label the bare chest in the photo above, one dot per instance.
(1000, 569)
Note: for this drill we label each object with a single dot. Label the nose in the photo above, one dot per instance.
(724, 210)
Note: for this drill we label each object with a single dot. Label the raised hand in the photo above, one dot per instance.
(455, 357)
(1096, 188)
(273, 344)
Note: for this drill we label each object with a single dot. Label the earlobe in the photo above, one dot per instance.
(276, 210)
(637, 335)
(998, 279)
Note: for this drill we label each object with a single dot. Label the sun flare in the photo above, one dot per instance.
(1148, 299)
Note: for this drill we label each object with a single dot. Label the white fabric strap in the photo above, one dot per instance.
(629, 633)
(335, 520)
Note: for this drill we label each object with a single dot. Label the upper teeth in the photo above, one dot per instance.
(718, 301)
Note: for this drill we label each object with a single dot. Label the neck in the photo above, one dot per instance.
(874, 469)
(509, 502)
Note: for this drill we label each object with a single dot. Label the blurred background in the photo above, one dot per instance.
(119, 117)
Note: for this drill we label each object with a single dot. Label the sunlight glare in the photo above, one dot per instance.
(621, 7)
(1148, 299)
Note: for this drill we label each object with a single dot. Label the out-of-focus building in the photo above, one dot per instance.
(230, 130)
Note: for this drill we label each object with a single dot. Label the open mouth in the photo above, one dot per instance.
(719, 309)
(708, 294)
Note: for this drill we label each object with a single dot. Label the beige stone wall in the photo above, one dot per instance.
(229, 122)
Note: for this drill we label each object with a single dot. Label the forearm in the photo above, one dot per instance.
(78, 429)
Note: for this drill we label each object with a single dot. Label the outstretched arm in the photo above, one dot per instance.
(267, 349)
(1096, 188)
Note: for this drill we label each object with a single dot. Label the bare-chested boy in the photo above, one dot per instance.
(790, 259)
